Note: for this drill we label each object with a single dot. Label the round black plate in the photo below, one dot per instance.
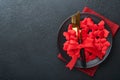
(61, 40)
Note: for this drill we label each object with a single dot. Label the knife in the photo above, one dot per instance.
(75, 20)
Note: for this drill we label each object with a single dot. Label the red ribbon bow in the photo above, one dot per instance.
(94, 46)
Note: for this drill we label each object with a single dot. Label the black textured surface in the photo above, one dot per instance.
(28, 34)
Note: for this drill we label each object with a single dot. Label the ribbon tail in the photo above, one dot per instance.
(71, 64)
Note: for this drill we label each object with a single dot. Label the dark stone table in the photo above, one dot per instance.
(28, 34)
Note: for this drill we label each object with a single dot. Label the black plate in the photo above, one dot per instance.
(61, 40)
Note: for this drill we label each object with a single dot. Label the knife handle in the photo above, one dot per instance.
(83, 59)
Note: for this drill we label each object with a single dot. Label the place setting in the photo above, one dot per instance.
(85, 40)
